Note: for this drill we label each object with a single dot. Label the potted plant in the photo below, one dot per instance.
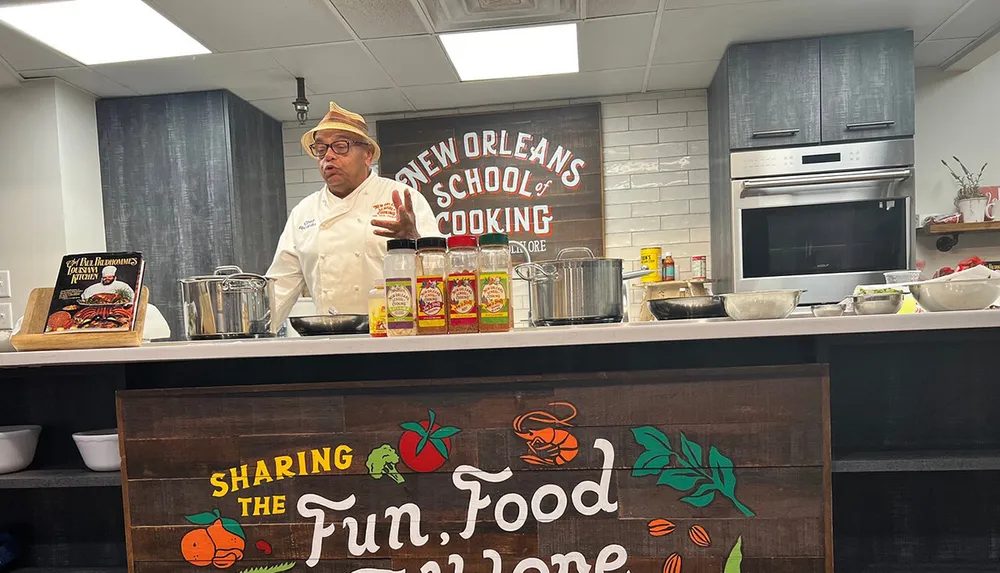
(971, 200)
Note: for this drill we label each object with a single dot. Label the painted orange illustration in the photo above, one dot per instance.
(220, 543)
(660, 527)
(548, 441)
(699, 536)
(672, 564)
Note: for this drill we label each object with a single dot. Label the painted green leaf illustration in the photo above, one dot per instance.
(735, 557)
(652, 439)
(207, 518)
(650, 464)
(279, 568)
(689, 469)
(679, 479)
(412, 426)
(440, 447)
(425, 434)
(445, 432)
(231, 526)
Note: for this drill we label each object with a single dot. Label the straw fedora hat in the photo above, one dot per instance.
(343, 120)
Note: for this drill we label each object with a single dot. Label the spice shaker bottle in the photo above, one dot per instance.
(463, 278)
(400, 270)
(494, 283)
(376, 310)
(432, 263)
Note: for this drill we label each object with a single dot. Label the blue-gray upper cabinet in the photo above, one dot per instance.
(774, 90)
(868, 85)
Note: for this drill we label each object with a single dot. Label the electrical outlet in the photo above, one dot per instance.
(6, 316)
(4, 284)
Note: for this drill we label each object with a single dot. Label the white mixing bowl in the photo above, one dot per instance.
(17, 447)
(99, 449)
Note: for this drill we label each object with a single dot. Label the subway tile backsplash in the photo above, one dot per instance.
(655, 162)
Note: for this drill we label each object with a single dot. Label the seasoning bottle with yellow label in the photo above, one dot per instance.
(432, 262)
(376, 310)
(463, 284)
(494, 283)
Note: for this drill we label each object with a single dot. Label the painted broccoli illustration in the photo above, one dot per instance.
(382, 461)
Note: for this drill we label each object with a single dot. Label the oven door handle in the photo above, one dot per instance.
(827, 178)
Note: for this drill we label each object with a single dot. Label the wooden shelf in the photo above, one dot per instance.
(917, 462)
(958, 228)
(40, 479)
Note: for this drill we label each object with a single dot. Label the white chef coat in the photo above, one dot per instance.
(330, 245)
(110, 289)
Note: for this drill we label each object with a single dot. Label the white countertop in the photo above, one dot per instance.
(523, 338)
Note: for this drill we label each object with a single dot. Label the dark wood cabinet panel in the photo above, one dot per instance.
(774, 94)
(868, 86)
(193, 181)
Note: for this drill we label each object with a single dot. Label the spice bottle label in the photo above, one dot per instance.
(430, 301)
(494, 302)
(376, 318)
(462, 299)
(399, 303)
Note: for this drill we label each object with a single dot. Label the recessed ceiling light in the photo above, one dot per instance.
(102, 31)
(513, 52)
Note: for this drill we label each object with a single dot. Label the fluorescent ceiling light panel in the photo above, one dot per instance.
(513, 52)
(102, 31)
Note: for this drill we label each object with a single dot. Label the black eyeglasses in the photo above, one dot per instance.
(340, 147)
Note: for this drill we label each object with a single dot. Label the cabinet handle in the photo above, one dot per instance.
(870, 125)
(775, 133)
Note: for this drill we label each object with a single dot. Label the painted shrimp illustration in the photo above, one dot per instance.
(550, 443)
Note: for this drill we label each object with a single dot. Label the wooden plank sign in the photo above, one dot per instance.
(643, 472)
(533, 174)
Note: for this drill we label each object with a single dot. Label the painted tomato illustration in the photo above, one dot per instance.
(425, 445)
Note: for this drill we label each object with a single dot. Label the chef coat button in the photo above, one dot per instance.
(357, 288)
(322, 257)
(359, 219)
(357, 253)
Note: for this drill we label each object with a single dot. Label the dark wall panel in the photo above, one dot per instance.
(166, 183)
(258, 184)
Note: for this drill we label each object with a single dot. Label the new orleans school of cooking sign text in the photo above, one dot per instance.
(533, 174)
(635, 472)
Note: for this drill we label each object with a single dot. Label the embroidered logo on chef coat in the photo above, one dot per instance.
(384, 211)
(307, 225)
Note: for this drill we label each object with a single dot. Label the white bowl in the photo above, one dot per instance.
(99, 449)
(17, 447)
(956, 295)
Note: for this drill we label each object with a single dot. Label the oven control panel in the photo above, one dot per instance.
(821, 159)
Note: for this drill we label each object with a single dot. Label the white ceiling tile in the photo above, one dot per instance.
(212, 71)
(363, 102)
(25, 53)
(333, 68)
(690, 75)
(598, 8)
(234, 25)
(611, 43)
(973, 21)
(690, 35)
(380, 18)
(85, 79)
(414, 60)
(490, 92)
(935, 52)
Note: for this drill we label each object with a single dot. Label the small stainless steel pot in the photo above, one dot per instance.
(228, 304)
(576, 291)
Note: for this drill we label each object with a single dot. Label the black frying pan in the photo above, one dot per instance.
(687, 307)
(326, 325)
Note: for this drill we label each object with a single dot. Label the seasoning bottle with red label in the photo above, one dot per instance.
(463, 284)
(432, 263)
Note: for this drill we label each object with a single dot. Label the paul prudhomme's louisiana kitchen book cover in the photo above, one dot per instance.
(95, 292)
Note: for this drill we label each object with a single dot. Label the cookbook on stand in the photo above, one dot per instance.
(96, 292)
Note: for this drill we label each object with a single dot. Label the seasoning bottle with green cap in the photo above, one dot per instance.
(432, 263)
(463, 279)
(494, 283)
(400, 270)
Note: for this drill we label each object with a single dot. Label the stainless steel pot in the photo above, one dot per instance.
(228, 304)
(576, 291)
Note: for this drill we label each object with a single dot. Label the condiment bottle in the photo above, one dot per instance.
(463, 277)
(376, 310)
(669, 269)
(494, 283)
(400, 270)
(432, 264)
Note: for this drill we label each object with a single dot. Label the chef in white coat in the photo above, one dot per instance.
(335, 239)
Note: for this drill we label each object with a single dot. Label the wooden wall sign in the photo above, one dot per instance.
(533, 174)
(720, 471)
